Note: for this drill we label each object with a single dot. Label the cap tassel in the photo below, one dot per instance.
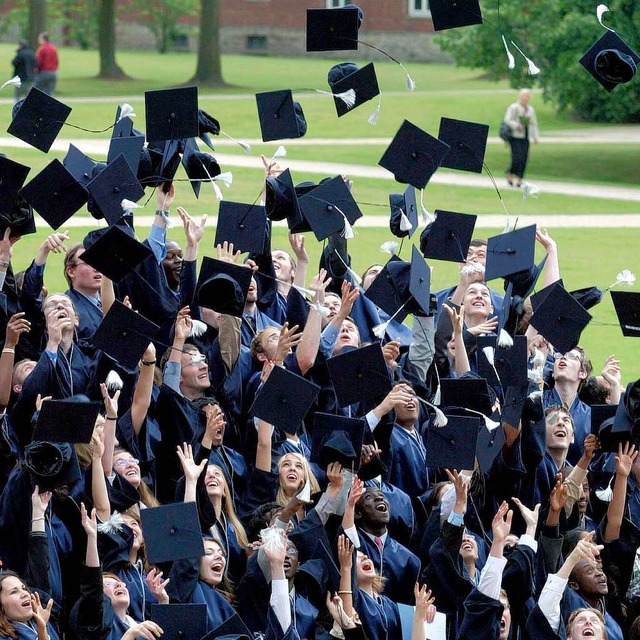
(129, 205)
(380, 329)
(126, 111)
(538, 360)
(427, 217)
(320, 308)
(304, 495)
(113, 524)
(245, 145)
(390, 247)
(307, 292)
(530, 190)
(113, 381)
(348, 231)
(533, 69)
(281, 152)
(600, 11)
(405, 223)
(606, 495)
(535, 375)
(625, 277)
(489, 353)
(198, 328)
(356, 278)
(348, 97)
(440, 420)
(510, 58)
(14, 82)
(505, 341)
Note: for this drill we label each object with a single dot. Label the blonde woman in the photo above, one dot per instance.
(523, 124)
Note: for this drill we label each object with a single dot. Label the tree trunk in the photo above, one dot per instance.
(209, 69)
(107, 41)
(37, 20)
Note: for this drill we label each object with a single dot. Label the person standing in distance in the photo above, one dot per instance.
(46, 65)
(522, 121)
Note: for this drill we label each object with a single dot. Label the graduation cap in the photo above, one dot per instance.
(333, 29)
(317, 575)
(560, 318)
(51, 464)
(111, 186)
(181, 621)
(611, 61)
(13, 174)
(359, 374)
(243, 224)
(627, 306)
(171, 114)
(347, 76)
(281, 200)
(39, 120)
(510, 252)
(232, 628)
(223, 286)
(510, 365)
(454, 445)
(588, 296)
(280, 116)
(467, 142)
(490, 442)
(448, 237)
(404, 213)
(628, 414)
(130, 147)
(449, 14)
(329, 208)
(172, 532)
(602, 421)
(55, 194)
(66, 421)
(468, 392)
(199, 166)
(79, 165)
(413, 155)
(207, 124)
(115, 253)
(124, 335)
(337, 439)
(284, 399)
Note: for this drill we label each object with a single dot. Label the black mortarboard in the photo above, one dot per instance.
(588, 296)
(130, 147)
(448, 237)
(628, 413)
(513, 405)
(611, 61)
(39, 120)
(66, 421)
(115, 253)
(468, 142)
(326, 207)
(317, 575)
(171, 114)
(333, 29)
(281, 201)
(403, 203)
(207, 124)
(602, 421)
(199, 166)
(52, 464)
(280, 116)
(232, 628)
(489, 445)
(359, 375)
(79, 165)
(223, 286)
(510, 252)
(449, 14)
(468, 392)
(113, 185)
(13, 176)
(55, 194)
(181, 621)
(454, 445)
(510, 363)
(122, 128)
(284, 399)
(172, 532)
(627, 306)
(363, 81)
(243, 224)
(560, 318)
(337, 439)
(413, 155)
(124, 335)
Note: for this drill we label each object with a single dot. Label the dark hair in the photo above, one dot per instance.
(260, 519)
(478, 242)
(6, 627)
(592, 393)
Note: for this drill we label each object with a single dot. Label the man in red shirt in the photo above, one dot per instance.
(46, 65)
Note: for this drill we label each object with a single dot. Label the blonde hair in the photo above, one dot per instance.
(576, 612)
(230, 513)
(281, 497)
(147, 497)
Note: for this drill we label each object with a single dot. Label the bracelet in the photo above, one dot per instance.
(110, 418)
(162, 212)
(341, 592)
(4, 263)
(36, 519)
(8, 350)
(148, 363)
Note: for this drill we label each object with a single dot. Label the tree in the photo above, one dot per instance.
(37, 20)
(209, 68)
(554, 34)
(161, 16)
(107, 42)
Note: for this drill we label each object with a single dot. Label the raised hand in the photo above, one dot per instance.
(191, 470)
(457, 318)
(110, 403)
(319, 285)
(89, 522)
(488, 326)
(425, 609)
(183, 325)
(349, 294)
(391, 352)
(39, 502)
(164, 200)
(501, 525)
(335, 475)
(287, 340)
(272, 168)
(41, 614)
(530, 516)
(226, 253)
(345, 553)
(559, 495)
(627, 454)
(147, 630)
(461, 485)
(337, 612)
(16, 326)
(357, 489)
(193, 231)
(543, 237)
(297, 245)
(157, 585)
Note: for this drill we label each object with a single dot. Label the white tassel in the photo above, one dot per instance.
(440, 420)
(348, 231)
(490, 424)
(427, 217)
(507, 224)
(281, 152)
(405, 223)
(489, 353)
(530, 190)
(373, 118)
(245, 145)
(307, 292)
(472, 268)
(304, 495)
(606, 495)
(126, 111)
(533, 69)
(538, 359)
(510, 58)
(113, 524)
(320, 308)
(390, 247)
(198, 328)
(113, 381)
(380, 329)
(14, 82)
(505, 341)
(348, 97)
(535, 375)
(625, 277)
(356, 278)
(600, 11)
(217, 191)
(226, 178)
(129, 205)
(411, 85)
(437, 396)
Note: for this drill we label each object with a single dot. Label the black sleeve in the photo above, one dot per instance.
(183, 579)
(482, 616)
(86, 617)
(38, 561)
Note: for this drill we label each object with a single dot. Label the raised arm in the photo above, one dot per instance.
(627, 454)
(308, 348)
(425, 611)
(191, 471)
(98, 481)
(551, 267)
(263, 452)
(461, 358)
(110, 419)
(143, 389)
(302, 258)
(16, 326)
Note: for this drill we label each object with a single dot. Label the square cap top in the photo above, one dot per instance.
(326, 206)
(404, 203)
(510, 252)
(55, 194)
(115, 253)
(413, 155)
(232, 628)
(112, 185)
(489, 445)
(449, 14)
(611, 61)
(130, 147)
(181, 621)
(454, 445)
(281, 200)
(337, 439)
(603, 418)
(468, 393)
(66, 421)
(223, 286)
(280, 116)
(79, 165)
(359, 374)
(12, 177)
(124, 335)
(332, 29)
(285, 399)
(468, 142)
(363, 81)
(627, 306)
(243, 224)
(448, 237)
(121, 128)
(39, 120)
(171, 114)
(560, 318)
(510, 364)
(172, 532)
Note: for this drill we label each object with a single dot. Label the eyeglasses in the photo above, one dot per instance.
(570, 355)
(110, 582)
(123, 462)
(196, 360)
